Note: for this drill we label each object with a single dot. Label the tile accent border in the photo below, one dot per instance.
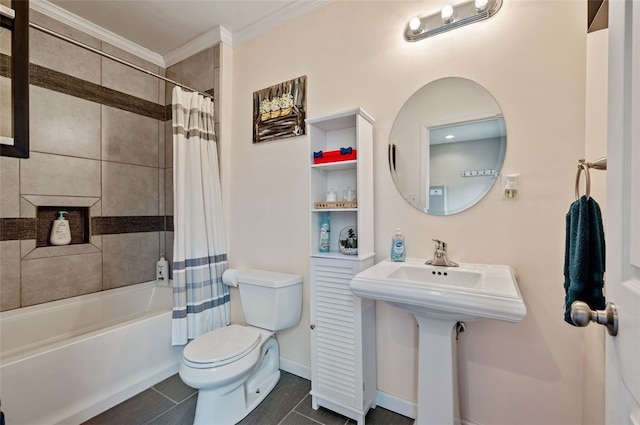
(15, 229)
(128, 224)
(12, 229)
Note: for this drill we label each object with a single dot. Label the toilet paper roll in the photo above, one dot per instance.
(230, 277)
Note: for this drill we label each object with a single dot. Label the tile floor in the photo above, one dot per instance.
(171, 402)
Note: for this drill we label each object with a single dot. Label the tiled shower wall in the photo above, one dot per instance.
(101, 139)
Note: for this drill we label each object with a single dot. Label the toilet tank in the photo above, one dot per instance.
(270, 300)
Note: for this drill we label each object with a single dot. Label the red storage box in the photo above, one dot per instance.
(334, 156)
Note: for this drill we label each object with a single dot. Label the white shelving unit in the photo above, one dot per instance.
(343, 360)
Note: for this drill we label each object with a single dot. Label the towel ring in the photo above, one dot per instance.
(583, 166)
(598, 164)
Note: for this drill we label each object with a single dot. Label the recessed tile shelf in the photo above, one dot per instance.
(78, 223)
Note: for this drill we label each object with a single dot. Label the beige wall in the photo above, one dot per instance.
(532, 58)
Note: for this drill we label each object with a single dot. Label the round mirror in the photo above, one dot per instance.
(447, 146)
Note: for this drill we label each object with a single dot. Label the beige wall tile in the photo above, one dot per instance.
(129, 258)
(61, 28)
(9, 275)
(129, 57)
(162, 191)
(49, 279)
(168, 144)
(46, 174)
(174, 72)
(168, 191)
(129, 189)
(129, 137)
(9, 187)
(197, 70)
(63, 56)
(161, 144)
(129, 80)
(63, 124)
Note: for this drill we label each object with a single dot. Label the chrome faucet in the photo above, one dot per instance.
(440, 257)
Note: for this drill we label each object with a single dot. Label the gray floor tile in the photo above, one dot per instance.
(381, 416)
(288, 392)
(138, 410)
(294, 418)
(175, 389)
(322, 415)
(182, 414)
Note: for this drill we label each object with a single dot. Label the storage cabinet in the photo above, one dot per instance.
(343, 361)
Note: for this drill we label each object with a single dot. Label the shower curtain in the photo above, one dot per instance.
(200, 299)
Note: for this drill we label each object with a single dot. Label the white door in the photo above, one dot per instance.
(623, 213)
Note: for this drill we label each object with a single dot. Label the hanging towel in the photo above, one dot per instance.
(584, 258)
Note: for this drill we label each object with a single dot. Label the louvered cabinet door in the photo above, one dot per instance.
(343, 339)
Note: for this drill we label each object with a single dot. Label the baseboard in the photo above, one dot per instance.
(295, 368)
(396, 404)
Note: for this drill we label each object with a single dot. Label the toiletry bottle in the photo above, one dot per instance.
(398, 252)
(162, 270)
(60, 232)
(325, 232)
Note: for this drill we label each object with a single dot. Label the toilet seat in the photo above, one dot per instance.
(221, 346)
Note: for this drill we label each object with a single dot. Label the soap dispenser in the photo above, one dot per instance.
(398, 251)
(60, 232)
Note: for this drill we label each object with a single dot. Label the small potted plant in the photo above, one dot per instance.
(349, 240)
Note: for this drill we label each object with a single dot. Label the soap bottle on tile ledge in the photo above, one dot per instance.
(60, 232)
(398, 251)
(162, 271)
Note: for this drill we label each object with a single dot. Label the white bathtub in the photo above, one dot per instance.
(66, 361)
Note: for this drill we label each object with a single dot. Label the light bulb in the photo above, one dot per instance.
(447, 13)
(415, 24)
(481, 5)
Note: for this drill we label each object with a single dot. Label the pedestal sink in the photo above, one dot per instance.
(439, 298)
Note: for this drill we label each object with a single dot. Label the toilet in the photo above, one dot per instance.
(235, 367)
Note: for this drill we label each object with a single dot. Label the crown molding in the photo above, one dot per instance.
(212, 37)
(60, 14)
(285, 14)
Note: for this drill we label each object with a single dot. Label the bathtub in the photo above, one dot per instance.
(66, 361)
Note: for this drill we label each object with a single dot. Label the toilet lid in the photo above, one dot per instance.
(221, 346)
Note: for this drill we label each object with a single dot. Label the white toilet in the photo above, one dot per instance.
(235, 367)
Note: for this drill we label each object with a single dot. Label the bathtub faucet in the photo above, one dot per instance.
(440, 257)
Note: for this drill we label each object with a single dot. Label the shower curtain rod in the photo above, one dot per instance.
(107, 55)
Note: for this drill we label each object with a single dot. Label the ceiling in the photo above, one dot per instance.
(165, 27)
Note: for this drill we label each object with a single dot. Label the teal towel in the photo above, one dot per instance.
(584, 258)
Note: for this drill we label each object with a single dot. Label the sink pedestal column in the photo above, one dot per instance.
(437, 372)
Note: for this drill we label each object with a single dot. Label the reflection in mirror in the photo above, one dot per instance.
(447, 146)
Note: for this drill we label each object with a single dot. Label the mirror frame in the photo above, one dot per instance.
(19, 63)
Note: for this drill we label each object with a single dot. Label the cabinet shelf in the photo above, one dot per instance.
(338, 165)
(334, 209)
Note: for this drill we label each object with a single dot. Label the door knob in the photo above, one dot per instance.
(581, 315)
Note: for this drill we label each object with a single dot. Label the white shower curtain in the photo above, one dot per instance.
(200, 299)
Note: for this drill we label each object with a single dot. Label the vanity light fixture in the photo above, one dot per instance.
(450, 17)
(447, 14)
(415, 25)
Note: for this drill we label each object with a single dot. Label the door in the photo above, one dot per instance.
(623, 213)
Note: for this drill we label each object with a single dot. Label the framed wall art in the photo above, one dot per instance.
(279, 111)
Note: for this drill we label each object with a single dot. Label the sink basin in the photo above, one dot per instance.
(440, 297)
(468, 292)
